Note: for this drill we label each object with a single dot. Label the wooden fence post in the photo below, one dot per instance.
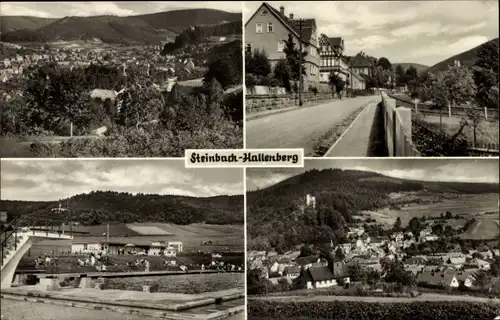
(486, 112)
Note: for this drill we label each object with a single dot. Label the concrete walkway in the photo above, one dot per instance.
(356, 139)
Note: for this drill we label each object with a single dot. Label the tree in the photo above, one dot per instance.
(339, 254)
(293, 58)
(282, 74)
(453, 87)
(337, 83)
(397, 224)
(305, 251)
(356, 272)
(415, 225)
(384, 63)
(400, 76)
(486, 74)
(257, 63)
(448, 215)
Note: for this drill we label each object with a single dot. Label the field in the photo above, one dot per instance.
(193, 236)
(485, 227)
(187, 284)
(487, 132)
(465, 205)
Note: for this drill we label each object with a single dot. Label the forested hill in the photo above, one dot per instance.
(113, 207)
(153, 28)
(275, 216)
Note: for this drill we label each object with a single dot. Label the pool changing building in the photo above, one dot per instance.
(112, 247)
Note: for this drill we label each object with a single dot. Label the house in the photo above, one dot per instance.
(307, 262)
(466, 278)
(177, 245)
(292, 272)
(446, 280)
(313, 278)
(268, 29)
(361, 65)
(274, 267)
(332, 59)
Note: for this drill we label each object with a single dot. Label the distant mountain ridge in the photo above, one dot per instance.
(406, 65)
(467, 58)
(140, 29)
(115, 207)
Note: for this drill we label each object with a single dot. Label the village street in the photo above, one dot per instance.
(300, 128)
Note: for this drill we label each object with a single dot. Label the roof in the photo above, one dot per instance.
(306, 260)
(436, 278)
(291, 25)
(102, 94)
(360, 61)
(320, 273)
(292, 269)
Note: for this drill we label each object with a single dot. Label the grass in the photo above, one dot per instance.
(377, 146)
(323, 143)
(487, 131)
(186, 284)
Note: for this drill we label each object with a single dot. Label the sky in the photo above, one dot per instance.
(52, 180)
(454, 170)
(119, 8)
(424, 32)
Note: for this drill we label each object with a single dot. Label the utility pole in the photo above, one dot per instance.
(300, 62)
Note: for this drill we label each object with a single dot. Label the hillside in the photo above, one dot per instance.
(13, 23)
(405, 65)
(154, 28)
(467, 58)
(276, 217)
(113, 207)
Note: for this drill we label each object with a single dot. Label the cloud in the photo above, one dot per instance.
(446, 49)
(98, 8)
(372, 42)
(22, 9)
(53, 180)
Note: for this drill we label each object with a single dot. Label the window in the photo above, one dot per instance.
(263, 12)
(258, 28)
(323, 48)
(85, 246)
(248, 48)
(281, 46)
(270, 27)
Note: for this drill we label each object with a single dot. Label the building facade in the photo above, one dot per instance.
(269, 28)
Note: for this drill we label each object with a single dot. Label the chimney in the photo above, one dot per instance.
(282, 10)
(291, 16)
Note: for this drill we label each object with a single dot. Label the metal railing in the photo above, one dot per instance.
(12, 229)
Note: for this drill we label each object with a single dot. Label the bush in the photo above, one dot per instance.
(314, 90)
(432, 310)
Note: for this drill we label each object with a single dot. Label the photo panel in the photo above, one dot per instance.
(124, 238)
(360, 239)
(120, 79)
(345, 79)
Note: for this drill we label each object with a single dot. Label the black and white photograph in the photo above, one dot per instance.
(120, 79)
(374, 239)
(372, 78)
(121, 239)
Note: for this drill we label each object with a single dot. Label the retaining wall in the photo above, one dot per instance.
(256, 103)
(397, 126)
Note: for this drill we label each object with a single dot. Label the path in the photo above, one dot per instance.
(299, 128)
(421, 298)
(356, 140)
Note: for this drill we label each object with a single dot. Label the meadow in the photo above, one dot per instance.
(464, 205)
(187, 284)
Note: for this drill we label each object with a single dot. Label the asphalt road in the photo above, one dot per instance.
(301, 127)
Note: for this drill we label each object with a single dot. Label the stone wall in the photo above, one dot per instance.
(256, 103)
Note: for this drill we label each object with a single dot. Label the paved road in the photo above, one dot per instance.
(299, 128)
(356, 141)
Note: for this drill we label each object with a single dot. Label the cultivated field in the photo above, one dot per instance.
(187, 284)
(487, 132)
(465, 205)
(486, 227)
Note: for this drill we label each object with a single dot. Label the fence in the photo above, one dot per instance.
(256, 103)
(397, 127)
(487, 114)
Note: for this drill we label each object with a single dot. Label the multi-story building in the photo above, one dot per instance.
(268, 29)
(332, 58)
